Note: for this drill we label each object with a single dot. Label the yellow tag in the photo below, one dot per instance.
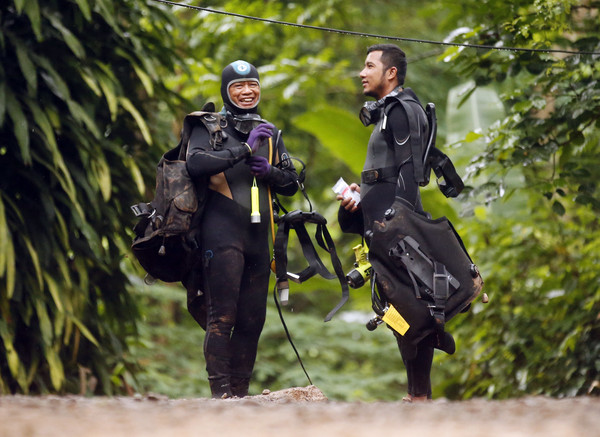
(393, 318)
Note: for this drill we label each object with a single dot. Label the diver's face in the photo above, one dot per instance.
(374, 76)
(244, 94)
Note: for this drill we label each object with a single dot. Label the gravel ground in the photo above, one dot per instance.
(295, 412)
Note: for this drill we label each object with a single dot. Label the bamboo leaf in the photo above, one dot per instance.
(102, 173)
(19, 4)
(4, 237)
(84, 330)
(84, 6)
(109, 93)
(145, 79)
(90, 81)
(35, 260)
(44, 124)
(136, 173)
(20, 126)
(54, 80)
(14, 362)
(44, 320)
(32, 9)
(25, 63)
(54, 290)
(57, 371)
(68, 37)
(2, 101)
(7, 253)
(126, 103)
(83, 117)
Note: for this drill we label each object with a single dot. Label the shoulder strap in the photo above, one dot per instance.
(416, 142)
(214, 123)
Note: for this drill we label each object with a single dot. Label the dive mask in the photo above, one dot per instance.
(244, 123)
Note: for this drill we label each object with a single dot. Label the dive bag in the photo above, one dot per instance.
(422, 269)
(164, 243)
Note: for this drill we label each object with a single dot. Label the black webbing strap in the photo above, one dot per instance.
(296, 220)
(441, 290)
(416, 144)
(432, 274)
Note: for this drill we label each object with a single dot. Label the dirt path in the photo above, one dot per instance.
(299, 412)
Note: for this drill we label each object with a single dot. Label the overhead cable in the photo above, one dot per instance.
(372, 35)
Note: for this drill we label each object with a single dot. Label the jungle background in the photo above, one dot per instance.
(92, 92)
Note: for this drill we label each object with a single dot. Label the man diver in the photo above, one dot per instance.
(389, 173)
(230, 300)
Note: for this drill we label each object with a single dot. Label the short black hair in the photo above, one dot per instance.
(392, 56)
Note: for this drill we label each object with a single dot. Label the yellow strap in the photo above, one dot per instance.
(269, 192)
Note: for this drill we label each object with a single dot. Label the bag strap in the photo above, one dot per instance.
(296, 220)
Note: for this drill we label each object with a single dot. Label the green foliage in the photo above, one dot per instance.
(80, 88)
(536, 243)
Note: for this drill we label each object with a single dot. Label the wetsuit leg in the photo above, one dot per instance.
(251, 312)
(224, 279)
(417, 361)
(236, 283)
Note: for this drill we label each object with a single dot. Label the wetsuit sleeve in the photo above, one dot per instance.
(282, 176)
(406, 187)
(351, 222)
(203, 161)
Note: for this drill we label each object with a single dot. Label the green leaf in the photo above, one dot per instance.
(20, 126)
(34, 260)
(339, 131)
(558, 208)
(54, 80)
(44, 320)
(136, 174)
(2, 101)
(84, 6)
(26, 64)
(19, 4)
(101, 172)
(81, 115)
(126, 103)
(32, 9)
(85, 331)
(57, 371)
(109, 93)
(68, 37)
(14, 363)
(55, 292)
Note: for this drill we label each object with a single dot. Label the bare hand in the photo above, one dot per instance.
(348, 203)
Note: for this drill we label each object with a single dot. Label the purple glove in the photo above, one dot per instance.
(259, 133)
(259, 166)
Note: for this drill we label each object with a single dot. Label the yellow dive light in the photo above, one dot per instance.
(255, 215)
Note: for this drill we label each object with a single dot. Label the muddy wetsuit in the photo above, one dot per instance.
(235, 252)
(387, 173)
(230, 299)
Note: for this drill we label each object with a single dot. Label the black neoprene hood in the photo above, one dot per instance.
(238, 71)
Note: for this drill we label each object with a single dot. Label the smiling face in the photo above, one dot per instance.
(377, 81)
(244, 94)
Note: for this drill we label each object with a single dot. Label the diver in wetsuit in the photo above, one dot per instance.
(235, 259)
(389, 173)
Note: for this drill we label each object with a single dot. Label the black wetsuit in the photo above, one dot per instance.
(389, 147)
(235, 256)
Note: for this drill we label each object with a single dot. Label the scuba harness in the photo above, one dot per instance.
(297, 220)
(423, 275)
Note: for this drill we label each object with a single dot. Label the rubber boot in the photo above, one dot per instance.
(239, 386)
(220, 388)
